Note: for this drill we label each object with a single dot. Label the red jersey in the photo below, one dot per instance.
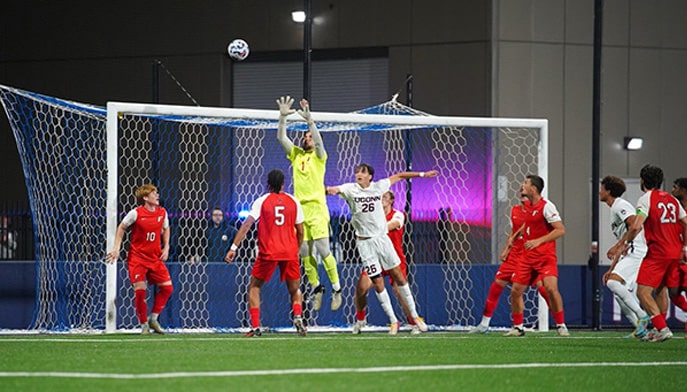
(397, 235)
(146, 233)
(538, 221)
(662, 228)
(518, 214)
(277, 215)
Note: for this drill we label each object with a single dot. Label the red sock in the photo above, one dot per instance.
(411, 320)
(360, 315)
(659, 321)
(297, 309)
(254, 317)
(680, 301)
(518, 318)
(140, 305)
(558, 317)
(545, 294)
(163, 294)
(492, 299)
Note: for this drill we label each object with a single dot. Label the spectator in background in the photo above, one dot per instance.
(8, 239)
(220, 234)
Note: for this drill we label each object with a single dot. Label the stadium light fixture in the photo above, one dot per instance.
(632, 143)
(298, 16)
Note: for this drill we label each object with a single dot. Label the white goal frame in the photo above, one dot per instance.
(115, 109)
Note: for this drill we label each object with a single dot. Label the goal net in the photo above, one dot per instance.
(82, 164)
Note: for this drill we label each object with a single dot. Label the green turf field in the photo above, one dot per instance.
(436, 361)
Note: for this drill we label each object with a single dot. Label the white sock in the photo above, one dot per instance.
(336, 286)
(408, 297)
(624, 295)
(485, 321)
(385, 301)
(153, 316)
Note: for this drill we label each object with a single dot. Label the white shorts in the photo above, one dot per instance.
(628, 267)
(377, 253)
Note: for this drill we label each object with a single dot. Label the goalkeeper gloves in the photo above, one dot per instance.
(285, 106)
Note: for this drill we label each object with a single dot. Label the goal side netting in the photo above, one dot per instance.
(82, 164)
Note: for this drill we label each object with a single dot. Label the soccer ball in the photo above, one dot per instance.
(238, 49)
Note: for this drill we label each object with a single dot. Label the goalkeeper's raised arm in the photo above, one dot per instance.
(284, 111)
(317, 142)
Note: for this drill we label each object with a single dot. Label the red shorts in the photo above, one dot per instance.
(653, 272)
(506, 271)
(677, 275)
(154, 273)
(532, 269)
(289, 269)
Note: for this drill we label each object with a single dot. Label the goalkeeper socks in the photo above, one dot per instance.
(329, 263)
(140, 305)
(254, 317)
(163, 294)
(384, 300)
(680, 301)
(492, 299)
(310, 266)
(545, 294)
(408, 297)
(297, 309)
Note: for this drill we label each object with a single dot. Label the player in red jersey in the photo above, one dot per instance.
(510, 256)
(543, 226)
(280, 235)
(677, 283)
(395, 220)
(665, 228)
(146, 259)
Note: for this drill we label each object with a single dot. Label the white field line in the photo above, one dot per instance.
(278, 372)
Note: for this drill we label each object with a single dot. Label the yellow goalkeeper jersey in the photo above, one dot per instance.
(308, 175)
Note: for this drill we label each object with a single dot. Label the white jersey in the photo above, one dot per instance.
(620, 211)
(367, 212)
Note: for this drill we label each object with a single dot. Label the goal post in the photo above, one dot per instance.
(82, 164)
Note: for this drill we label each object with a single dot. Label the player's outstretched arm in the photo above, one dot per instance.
(332, 190)
(240, 235)
(406, 175)
(113, 255)
(314, 132)
(284, 111)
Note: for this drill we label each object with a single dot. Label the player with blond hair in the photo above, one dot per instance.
(149, 224)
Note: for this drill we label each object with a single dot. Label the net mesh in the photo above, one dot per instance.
(453, 223)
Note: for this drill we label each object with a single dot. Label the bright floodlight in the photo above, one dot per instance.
(298, 16)
(632, 143)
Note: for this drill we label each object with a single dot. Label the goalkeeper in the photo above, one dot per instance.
(309, 165)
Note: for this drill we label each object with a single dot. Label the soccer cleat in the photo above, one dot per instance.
(358, 326)
(562, 330)
(300, 326)
(420, 322)
(641, 329)
(516, 331)
(255, 332)
(336, 299)
(415, 330)
(393, 328)
(658, 336)
(317, 298)
(145, 329)
(480, 329)
(155, 326)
